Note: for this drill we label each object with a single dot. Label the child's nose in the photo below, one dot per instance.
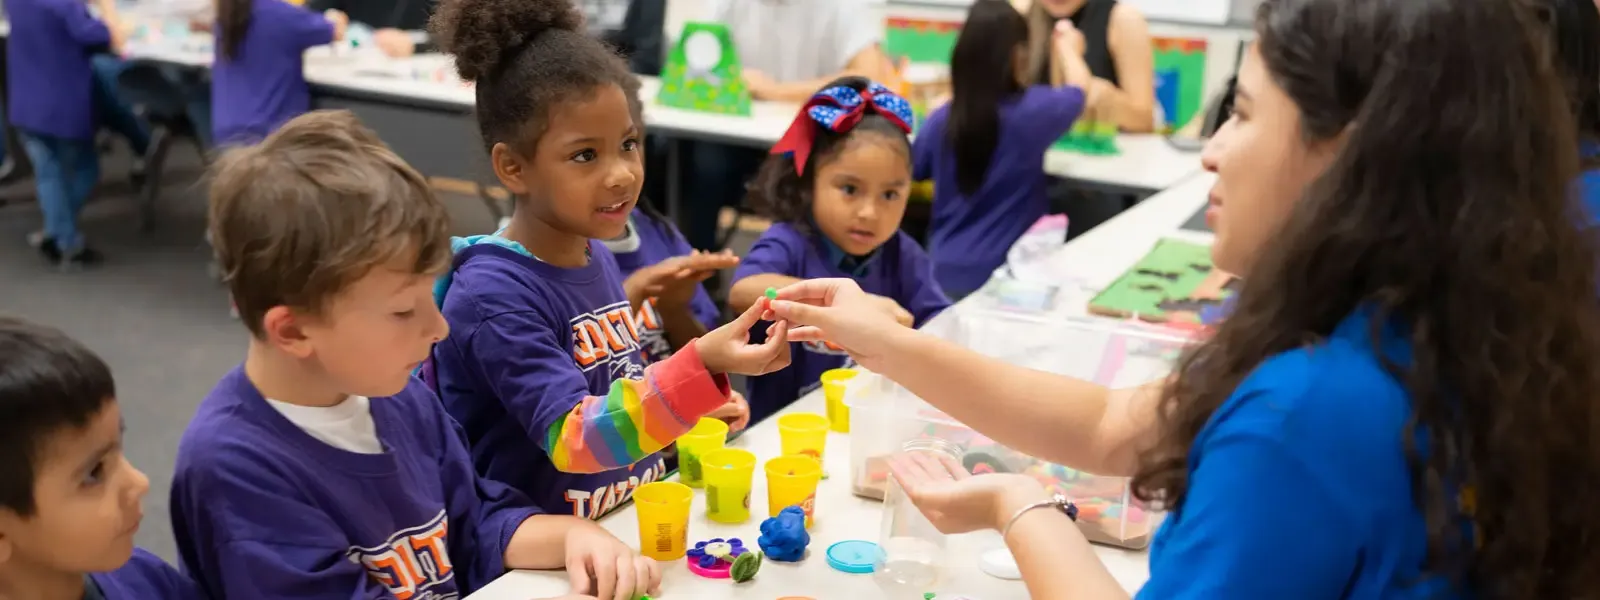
(138, 484)
(620, 175)
(438, 328)
(867, 211)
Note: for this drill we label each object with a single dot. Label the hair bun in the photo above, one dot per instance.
(481, 33)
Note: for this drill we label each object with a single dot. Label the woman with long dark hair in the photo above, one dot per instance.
(1403, 402)
(983, 149)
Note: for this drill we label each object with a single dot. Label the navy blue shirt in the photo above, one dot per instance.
(1298, 485)
(49, 81)
(264, 85)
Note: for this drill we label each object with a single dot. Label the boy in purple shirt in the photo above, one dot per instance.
(51, 102)
(835, 187)
(542, 366)
(984, 149)
(258, 80)
(69, 499)
(320, 468)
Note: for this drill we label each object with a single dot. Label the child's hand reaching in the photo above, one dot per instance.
(601, 566)
(727, 349)
(672, 282)
(736, 413)
(900, 313)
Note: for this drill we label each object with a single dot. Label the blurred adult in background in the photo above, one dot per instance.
(1113, 40)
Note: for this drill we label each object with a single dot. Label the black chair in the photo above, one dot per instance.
(161, 101)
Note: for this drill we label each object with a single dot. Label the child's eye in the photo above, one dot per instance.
(849, 189)
(583, 156)
(630, 145)
(96, 475)
(891, 195)
(405, 314)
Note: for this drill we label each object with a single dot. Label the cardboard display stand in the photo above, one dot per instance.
(702, 72)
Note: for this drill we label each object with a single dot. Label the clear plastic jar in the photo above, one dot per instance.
(913, 558)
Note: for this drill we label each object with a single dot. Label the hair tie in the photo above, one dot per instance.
(839, 109)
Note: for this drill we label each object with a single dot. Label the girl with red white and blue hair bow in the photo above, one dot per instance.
(836, 187)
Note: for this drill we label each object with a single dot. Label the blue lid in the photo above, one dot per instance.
(854, 556)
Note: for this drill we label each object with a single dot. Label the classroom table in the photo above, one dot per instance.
(1095, 258)
(840, 516)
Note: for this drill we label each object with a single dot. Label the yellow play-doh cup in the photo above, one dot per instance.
(834, 382)
(792, 481)
(663, 509)
(728, 473)
(805, 434)
(707, 436)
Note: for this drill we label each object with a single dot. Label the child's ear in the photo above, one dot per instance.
(508, 168)
(285, 330)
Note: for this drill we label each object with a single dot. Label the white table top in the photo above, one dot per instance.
(1095, 258)
(840, 516)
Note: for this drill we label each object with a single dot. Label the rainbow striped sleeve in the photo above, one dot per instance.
(636, 418)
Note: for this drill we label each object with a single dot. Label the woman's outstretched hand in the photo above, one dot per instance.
(957, 502)
(839, 312)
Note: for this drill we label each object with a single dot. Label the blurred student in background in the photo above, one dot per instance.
(984, 148)
(1115, 45)
(51, 101)
(258, 80)
(392, 21)
(788, 50)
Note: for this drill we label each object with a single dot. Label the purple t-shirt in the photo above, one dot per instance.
(145, 577)
(969, 236)
(264, 85)
(49, 80)
(898, 270)
(528, 341)
(263, 510)
(655, 241)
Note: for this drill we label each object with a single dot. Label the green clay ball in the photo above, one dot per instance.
(772, 293)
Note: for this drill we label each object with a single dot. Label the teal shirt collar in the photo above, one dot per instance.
(854, 266)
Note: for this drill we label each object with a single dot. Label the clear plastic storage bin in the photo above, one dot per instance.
(885, 416)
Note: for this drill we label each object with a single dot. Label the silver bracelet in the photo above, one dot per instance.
(1058, 502)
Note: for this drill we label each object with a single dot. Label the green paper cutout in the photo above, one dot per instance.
(1163, 285)
(702, 72)
(1094, 139)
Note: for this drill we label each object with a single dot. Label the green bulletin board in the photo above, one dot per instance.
(702, 72)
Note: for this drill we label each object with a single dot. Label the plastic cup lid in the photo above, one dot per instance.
(854, 556)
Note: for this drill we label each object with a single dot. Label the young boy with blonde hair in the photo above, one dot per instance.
(319, 468)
